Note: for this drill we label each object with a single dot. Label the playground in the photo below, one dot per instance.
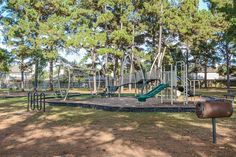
(160, 112)
(117, 78)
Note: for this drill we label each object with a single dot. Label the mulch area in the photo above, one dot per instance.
(128, 102)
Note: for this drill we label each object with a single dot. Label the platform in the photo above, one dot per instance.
(126, 104)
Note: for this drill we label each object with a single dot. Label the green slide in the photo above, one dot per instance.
(153, 92)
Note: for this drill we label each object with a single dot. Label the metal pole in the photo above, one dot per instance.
(183, 82)
(44, 102)
(29, 101)
(164, 79)
(171, 84)
(135, 84)
(58, 79)
(161, 81)
(214, 129)
(175, 83)
(68, 88)
(186, 81)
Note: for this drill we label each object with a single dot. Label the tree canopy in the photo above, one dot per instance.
(120, 35)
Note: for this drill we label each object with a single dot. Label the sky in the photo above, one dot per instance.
(202, 5)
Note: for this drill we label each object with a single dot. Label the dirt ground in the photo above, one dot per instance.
(2, 94)
(74, 131)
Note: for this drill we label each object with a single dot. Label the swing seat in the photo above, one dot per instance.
(112, 89)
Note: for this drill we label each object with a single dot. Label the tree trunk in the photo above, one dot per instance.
(205, 72)
(22, 75)
(94, 72)
(131, 72)
(196, 70)
(22, 80)
(160, 33)
(51, 75)
(227, 66)
(122, 74)
(131, 63)
(187, 63)
(106, 71)
(36, 75)
(115, 71)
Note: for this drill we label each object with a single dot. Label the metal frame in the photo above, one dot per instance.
(36, 101)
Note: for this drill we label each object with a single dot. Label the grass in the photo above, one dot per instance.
(110, 133)
(216, 92)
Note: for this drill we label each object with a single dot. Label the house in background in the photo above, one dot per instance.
(13, 77)
(15, 74)
(214, 79)
(212, 74)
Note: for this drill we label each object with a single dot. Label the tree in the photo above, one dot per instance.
(208, 56)
(17, 40)
(52, 31)
(40, 25)
(24, 24)
(85, 34)
(222, 70)
(5, 60)
(227, 10)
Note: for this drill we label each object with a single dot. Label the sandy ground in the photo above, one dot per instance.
(2, 94)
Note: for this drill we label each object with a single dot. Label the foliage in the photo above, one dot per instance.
(5, 60)
(111, 31)
(222, 70)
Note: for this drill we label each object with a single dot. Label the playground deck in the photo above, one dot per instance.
(127, 104)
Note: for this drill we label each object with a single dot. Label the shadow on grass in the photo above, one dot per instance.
(78, 131)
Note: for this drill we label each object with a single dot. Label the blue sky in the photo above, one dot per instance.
(202, 5)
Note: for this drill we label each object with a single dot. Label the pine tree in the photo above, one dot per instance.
(5, 60)
(227, 10)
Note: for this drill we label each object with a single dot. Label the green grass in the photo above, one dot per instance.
(216, 92)
(72, 115)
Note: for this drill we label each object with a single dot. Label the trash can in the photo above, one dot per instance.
(214, 108)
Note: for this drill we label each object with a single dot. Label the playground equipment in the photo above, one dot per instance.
(140, 84)
(139, 79)
(214, 109)
(170, 82)
(71, 70)
(36, 101)
(153, 92)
